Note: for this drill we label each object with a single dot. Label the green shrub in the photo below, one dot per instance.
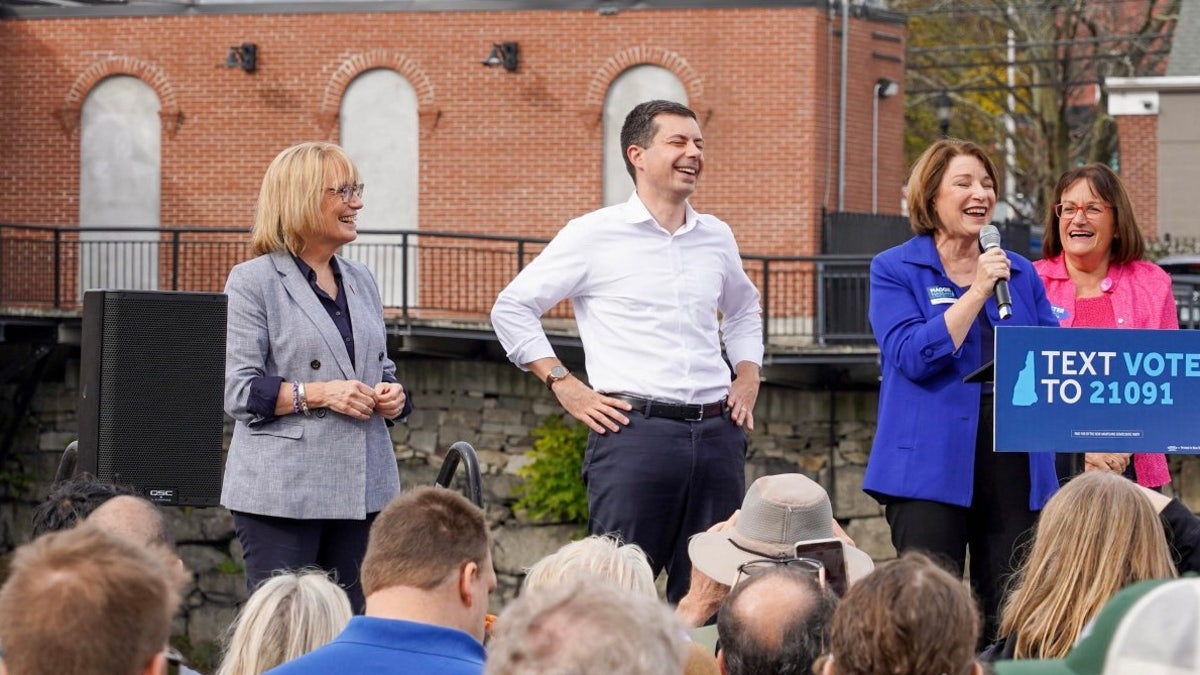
(553, 489)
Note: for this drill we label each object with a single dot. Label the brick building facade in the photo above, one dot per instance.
(500, 153)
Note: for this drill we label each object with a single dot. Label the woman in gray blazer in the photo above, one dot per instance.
(307, 378)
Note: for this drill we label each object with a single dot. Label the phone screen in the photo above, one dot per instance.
(828, 552)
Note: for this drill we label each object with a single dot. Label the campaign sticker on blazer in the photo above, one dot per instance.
(1060, 313)
(941, 295)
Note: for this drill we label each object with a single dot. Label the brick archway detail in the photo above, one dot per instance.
(427, 112)
(644, 55)
(69, 115)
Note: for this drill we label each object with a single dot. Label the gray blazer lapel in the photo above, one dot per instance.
(356, 302)
(303, 295)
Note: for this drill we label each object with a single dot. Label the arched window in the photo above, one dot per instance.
(380, 132)
(636, 85)
(120, 166)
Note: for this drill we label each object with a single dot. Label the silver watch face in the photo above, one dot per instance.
(558, 372)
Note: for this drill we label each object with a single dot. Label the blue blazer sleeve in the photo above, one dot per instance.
(911, 332)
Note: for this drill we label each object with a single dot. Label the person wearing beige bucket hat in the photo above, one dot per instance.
(778, 513)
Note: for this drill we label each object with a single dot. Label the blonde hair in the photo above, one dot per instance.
(586, 627)
(289, 202)
(287, 616)
(601, 555)
(1097, 535)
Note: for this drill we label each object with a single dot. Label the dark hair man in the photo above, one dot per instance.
(427, 577)
(656, 286)
(71, 501)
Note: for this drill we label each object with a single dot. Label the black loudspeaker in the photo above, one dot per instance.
(151, 392)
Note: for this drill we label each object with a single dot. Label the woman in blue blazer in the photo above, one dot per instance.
(307, 378)
(933, 312)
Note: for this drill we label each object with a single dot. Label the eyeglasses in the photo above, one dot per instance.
(753, 567)
(348, 192)
(1091, 210)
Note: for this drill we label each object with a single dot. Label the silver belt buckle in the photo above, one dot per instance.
(699, 414)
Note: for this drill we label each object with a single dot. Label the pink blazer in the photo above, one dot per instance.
(1141, 298)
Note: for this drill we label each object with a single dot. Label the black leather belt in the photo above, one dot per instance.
(687, 412)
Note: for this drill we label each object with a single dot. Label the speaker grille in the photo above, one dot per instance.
(160, 419)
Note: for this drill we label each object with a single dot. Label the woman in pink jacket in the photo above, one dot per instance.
(1095, 277)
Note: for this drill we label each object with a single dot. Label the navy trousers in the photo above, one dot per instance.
(659, 481)
(270, 544)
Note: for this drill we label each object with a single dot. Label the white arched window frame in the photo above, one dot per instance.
(120, 169)
(633, 86)
(380, 131)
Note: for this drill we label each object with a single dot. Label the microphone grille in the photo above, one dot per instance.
(989, 237)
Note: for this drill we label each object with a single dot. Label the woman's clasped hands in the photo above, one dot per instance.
(355, 399)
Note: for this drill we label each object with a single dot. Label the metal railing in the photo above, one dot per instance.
(1187, 299)
(424, 277)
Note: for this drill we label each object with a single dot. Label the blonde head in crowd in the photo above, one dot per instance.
(287, 616)
(624, 565)
(1097, 535)
(586, 627)
(604, 556)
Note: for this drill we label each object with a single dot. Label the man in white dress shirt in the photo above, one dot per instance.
(655, 287)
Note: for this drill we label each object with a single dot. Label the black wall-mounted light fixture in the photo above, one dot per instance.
(503, 54)
(244, 56)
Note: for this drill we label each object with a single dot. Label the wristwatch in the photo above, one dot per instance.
(556, 373)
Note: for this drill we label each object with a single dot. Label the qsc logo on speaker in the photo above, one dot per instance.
(162, 495)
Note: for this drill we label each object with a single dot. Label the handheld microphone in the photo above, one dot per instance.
(989, 238)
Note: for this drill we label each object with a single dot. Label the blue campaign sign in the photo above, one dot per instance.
(1097, 390)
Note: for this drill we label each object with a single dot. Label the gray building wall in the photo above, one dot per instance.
(1178, 170)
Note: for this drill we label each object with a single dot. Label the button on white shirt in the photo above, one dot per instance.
(652, 306)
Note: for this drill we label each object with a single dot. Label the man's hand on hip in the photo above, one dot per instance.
(594, 409)
(743, 392)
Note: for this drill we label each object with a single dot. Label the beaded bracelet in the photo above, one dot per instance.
(304, 401)
(295, 397)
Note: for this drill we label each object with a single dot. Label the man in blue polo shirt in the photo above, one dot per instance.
(427, 577)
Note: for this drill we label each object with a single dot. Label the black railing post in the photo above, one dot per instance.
(58, 266)
(766, 301)
(175, 260)
(462, 450)
(404, 275)
(520, 255)
(819, 327)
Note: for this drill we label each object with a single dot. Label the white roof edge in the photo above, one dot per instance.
(1152, 83)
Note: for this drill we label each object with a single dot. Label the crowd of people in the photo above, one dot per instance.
(95, 592)
(1072, 562)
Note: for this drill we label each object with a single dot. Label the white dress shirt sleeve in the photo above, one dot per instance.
(551, 277)
(741, 323)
